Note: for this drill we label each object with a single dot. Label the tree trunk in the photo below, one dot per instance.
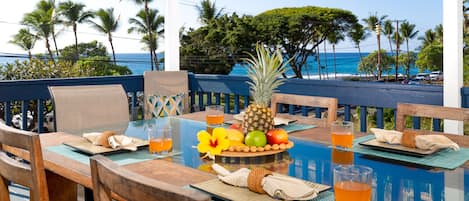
(157, 65)
(408, 54)
(380, 70)
(112, 48)
(55, 44)
(77, 54)
(390, 45)
(325, 60)
(50, 52)
(30, 56)
(335, 66)
(318, 60)
(151, 45)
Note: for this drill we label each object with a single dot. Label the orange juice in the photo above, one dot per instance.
(342, 139)
(352, 191)
(342, 157)
(167, 144)
(215, 119)
(156, 145)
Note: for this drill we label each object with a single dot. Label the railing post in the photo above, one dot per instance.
(318, 112)
(24, 114)
(227, 103)
(347, 112)
(363, 119)
(133, 102)
(201, 101)
(379, 117)
(8, 113)
(40, 115)
(416, 122)
(236, 104)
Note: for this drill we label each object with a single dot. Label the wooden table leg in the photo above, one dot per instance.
(60, 188)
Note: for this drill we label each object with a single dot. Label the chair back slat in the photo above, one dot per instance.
(312, 101)
(9, 136)
(165, 83)
(109, 178)
(31, 175)
(430, 111)
(89, 106)
(13, 170)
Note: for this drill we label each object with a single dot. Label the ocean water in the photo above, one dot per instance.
(346, 64)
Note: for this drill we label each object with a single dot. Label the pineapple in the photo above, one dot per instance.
(263, 72)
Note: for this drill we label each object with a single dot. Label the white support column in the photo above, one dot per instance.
(171, 36)
(453, 73)
(452, 60)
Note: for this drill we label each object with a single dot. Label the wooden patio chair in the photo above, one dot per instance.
(172, 85)
(89, 106)
(313, 101)
(109, 178)
(31, 175)
(430, 111)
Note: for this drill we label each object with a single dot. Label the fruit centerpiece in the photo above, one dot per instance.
(257, 132)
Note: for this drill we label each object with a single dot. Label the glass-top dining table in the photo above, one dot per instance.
(314, 161)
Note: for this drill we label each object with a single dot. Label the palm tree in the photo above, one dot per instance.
(439, 33)
(73, 14)
(140, 26)
(147, 21)
(49, 5)
(408, 32)
(388, 31)
(428, 39)
(40, 22)
(334, 38)
(372, 21)
(358, 34)
(108, 23)
(25, 40)
(208, 11)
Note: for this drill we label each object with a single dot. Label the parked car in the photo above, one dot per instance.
(414, 81)
(422, 76)
(436, 75)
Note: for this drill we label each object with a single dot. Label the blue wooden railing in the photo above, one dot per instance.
(227, 90)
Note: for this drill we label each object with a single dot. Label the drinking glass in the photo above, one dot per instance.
(160, 140)
(342, 134)
(214, 117)
(352, 181)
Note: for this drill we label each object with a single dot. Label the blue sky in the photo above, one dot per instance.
(425, 14)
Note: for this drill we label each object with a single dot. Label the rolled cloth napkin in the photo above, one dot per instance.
(276, 185)
(110, 140)
(425, 142)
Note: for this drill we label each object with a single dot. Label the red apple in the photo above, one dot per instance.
(277, 136)
(237, 127)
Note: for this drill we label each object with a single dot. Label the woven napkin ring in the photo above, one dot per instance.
(255, 179)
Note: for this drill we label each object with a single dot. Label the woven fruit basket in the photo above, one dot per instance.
(253, 151)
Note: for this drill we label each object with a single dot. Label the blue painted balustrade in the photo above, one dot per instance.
(233, 93)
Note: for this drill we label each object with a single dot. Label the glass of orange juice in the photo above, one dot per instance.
(160, 140)
(342, 134)
(214, 117)
(352, 181)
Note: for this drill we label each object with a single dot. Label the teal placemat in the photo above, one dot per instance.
(447, 158)
(122, 158)
(325, 196)
(292, 127)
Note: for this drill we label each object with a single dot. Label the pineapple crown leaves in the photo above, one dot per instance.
(264, 69)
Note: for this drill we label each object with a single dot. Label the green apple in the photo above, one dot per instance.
(255, 138)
